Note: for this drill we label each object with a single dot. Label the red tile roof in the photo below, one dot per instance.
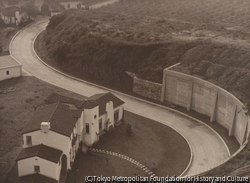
(103, 98)
(62, 119)
(55, 97)
(11, 11)
(41, 151)
(80, 104)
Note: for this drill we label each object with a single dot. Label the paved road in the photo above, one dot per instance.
(207, 147)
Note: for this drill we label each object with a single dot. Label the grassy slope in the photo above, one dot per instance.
(216, 36)
(145, 37)
(6, 33)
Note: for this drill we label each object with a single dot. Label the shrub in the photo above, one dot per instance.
(56, 20)
(62, 51)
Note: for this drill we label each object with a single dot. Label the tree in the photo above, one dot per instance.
(1, 22)
(31, 9)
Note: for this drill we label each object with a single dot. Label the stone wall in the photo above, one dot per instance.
(147, 88)
(208, 99)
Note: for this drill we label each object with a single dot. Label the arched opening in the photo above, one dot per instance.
(64, 162)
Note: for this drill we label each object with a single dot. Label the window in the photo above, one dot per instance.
(87, 128)
(100, 124)
(28, 140)
(37, 169)
(116, 115)
(7, 72)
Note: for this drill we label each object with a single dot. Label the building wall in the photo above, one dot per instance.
(206, 98)
(50, 139)
(91, 116)
(104, 120)
(147, 88)
(121, 110)
(15, 71)
(20, 3)
(72, 4)
(47, 168)
(77, 133)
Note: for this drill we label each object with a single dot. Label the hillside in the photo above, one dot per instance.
(144, 37)
(209, 38)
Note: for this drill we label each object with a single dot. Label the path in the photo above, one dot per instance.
(208, 148)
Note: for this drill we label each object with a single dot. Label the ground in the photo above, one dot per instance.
(18, 99)
(211, 40)
(6, 33)
(219, 34)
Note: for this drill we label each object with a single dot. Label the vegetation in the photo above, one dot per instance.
(30, 8)
(144, 37)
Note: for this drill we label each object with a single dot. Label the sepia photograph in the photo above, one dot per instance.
(124, 91)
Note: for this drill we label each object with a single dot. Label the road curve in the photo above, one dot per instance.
(208, 148)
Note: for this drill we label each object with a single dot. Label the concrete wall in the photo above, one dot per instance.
(70, 4)
(91, 117)
(14, 71)
(50, 139)
(208, 99)
(47, 168)
(147, 88)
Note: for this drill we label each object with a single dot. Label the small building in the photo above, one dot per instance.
(9, 68)
(71, 4)
(22, 3)
(66, 124)
(40, 159)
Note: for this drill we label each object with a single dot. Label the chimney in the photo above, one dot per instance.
(110, 111)
(45, 126)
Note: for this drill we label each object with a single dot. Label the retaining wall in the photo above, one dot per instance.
(147, 88)
(208, 99)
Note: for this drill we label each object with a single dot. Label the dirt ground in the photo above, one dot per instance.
(209, 38)
(152, 144)
(6, 33)
(18, 99)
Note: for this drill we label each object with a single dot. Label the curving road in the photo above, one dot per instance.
(208, 148)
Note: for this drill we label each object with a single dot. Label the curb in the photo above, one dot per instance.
(144, 168)
(129, 96)
(138, 99)
(13, 40)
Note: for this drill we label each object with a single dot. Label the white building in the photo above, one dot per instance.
(9, 68)
(70, 4)
(67, 124)
(40, 159)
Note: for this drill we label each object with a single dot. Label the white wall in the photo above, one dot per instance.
(120, 109)
(89, 117)
(47, 168)
(72, 4)
(104, 119)
(15, 71)
(110, 113)
(50, 139)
